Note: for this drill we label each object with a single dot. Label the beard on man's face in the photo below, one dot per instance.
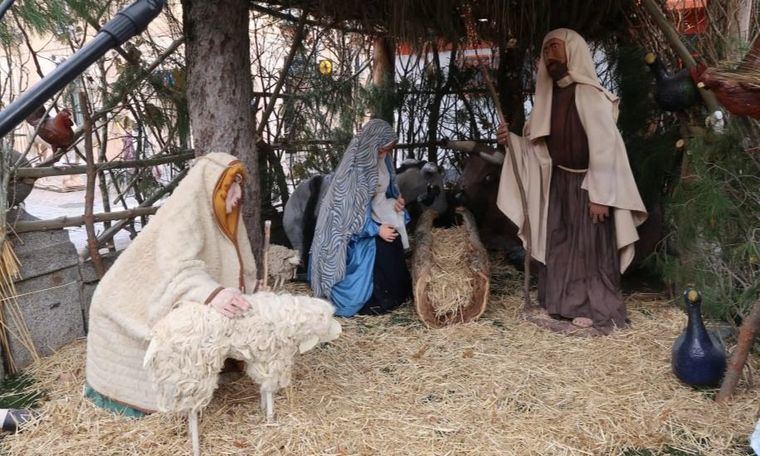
(556, 69)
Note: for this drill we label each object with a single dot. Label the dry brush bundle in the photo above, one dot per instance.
(9, 307)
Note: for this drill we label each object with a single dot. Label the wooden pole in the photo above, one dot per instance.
(747, 332)
(675, 42)
(510, 151)
(63, 222)
(265, 262)
(37, 172)
(89, 194)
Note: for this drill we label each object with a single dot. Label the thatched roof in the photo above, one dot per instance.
(425, 19)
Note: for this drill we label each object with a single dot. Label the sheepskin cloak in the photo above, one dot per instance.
(181, 255)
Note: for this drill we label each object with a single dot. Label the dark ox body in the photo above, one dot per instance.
(477, 190)
(420, 185)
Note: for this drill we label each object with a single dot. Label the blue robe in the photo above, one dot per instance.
(350, 294)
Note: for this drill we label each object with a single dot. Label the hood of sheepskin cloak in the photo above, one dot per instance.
(186, 253)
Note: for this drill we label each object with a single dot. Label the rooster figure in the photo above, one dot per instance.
(674, 92)
(737, 90)
(55, 131)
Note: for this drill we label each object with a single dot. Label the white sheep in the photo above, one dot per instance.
(189, 345)
(282, 263)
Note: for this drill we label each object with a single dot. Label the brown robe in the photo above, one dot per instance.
(581, 277)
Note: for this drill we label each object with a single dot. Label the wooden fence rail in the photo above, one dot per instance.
(38, 172)
(63, 222)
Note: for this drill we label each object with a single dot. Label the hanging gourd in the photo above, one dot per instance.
(673, 92)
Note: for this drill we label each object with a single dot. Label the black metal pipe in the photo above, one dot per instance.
(127, 23)
(4, 7)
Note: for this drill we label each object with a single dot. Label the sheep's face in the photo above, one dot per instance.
(315, 323)
(301, 322)
(324, 327)
(295, 260)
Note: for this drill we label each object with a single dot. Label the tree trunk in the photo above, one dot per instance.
(738, 14)
(744, 19)
(219, 90)
(383, 72)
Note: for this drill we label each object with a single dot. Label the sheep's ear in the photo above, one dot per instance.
(294, 260)
(308, 344)
(335, 330)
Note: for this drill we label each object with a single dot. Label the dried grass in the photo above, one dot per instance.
(748, 77)
(451, 279)
(390, 386)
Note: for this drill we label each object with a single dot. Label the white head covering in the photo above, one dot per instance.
(581, 70)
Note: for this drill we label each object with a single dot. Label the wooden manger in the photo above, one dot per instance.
(450, 271)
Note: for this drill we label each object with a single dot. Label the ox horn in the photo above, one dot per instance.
(471, 147)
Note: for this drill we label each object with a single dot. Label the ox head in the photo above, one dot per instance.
(478, 184)
(422, 182)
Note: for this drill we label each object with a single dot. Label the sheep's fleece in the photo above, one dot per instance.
(282, 263)
(181, 255)
(190, 344)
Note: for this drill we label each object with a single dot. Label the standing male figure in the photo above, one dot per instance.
(583, 202)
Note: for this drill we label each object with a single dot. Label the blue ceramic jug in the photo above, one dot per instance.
(699, 358)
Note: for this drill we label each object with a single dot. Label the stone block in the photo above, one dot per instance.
(90, 282)
(42, 252)
(88, 270)
(51, 306)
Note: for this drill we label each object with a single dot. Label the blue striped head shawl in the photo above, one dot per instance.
(343, 209)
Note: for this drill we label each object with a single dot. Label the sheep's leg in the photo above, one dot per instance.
(268, 397)
(263, 401)
(192, 422)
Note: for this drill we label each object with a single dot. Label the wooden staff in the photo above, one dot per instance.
(267, 233)
(509, 150)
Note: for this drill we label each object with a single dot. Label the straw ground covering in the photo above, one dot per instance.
(498, 385)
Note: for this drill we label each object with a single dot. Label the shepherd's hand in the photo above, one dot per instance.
(598, 212)
(229, 302)
(502, 134)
